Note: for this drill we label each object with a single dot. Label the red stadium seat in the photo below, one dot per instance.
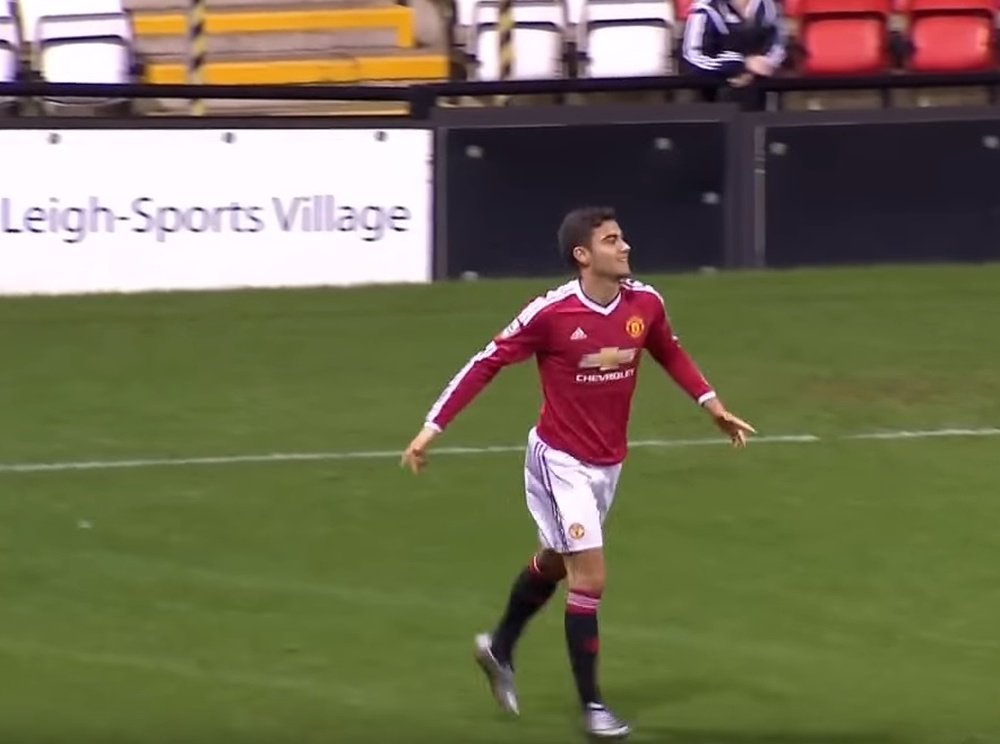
(845, 8)
(682, 8)
(792, 9)
(845, 37)
(951, 35)
(917, 7)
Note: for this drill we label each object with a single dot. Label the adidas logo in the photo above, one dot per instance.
(578, 335)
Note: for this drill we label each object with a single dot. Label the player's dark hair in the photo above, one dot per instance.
(578, 227)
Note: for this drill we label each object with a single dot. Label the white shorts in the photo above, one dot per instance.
(568, 499)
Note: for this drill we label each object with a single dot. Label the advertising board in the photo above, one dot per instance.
(124, 210)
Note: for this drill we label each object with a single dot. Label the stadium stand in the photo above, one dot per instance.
(304, 42)
(326, 42)
(947, 36)
(859, 37)
(611, 38)
(88, 41)
(248, 42)
(269, 41)
(85, 48)
(620, 38)
(539, 40)
(844, 37)
(593, 38)
(951, 35)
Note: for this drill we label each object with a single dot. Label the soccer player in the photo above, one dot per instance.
(587, 336)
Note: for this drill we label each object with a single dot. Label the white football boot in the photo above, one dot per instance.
(500, 676)
(603, 724)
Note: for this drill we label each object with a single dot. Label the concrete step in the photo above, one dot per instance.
(174, 107)
(397, 18)
(311, 43)
(357, 66)
(298, 56)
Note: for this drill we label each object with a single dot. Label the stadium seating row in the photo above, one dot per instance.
(97, 40)
(871, 36)
(102, 41)
(612, 38)
(642, 37)
(276, 43)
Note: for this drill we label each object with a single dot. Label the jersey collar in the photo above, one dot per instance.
(591, 305)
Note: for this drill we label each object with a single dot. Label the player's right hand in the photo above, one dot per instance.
(415, 455)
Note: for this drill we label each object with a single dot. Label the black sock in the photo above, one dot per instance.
(583, 642)
(530, 592)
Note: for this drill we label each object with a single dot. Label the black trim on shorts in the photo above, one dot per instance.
(550, 493)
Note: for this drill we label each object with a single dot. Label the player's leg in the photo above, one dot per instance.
(580, 496)
(586, 575)
(537, 582)
(585, 585)
(532, 588)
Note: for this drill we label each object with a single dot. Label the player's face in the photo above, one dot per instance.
(608, 252)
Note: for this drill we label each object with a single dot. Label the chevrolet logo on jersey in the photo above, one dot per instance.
(610, 357)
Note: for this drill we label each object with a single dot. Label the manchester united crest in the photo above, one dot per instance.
(635, 326)
(576, 531)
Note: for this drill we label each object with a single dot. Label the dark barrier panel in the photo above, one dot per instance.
(881, 192)
(506, 188)
(694, 185)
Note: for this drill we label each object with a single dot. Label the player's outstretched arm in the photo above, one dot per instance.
(686, 374)
(519, 341)
(666, 349)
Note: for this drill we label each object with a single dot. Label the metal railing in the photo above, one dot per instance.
(423, 97)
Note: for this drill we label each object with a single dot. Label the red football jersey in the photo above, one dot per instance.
(588, 357)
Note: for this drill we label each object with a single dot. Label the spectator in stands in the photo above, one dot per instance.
(734, 41)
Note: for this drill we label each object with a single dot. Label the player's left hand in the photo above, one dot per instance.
(735, 428)
(732, 426)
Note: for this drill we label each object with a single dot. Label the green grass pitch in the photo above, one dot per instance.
(842, 591)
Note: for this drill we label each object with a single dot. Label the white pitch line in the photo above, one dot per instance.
(157, 462)
(926, 434)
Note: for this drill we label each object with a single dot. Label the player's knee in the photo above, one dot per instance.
(591, 583)
(551, 566)
(586, 571)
